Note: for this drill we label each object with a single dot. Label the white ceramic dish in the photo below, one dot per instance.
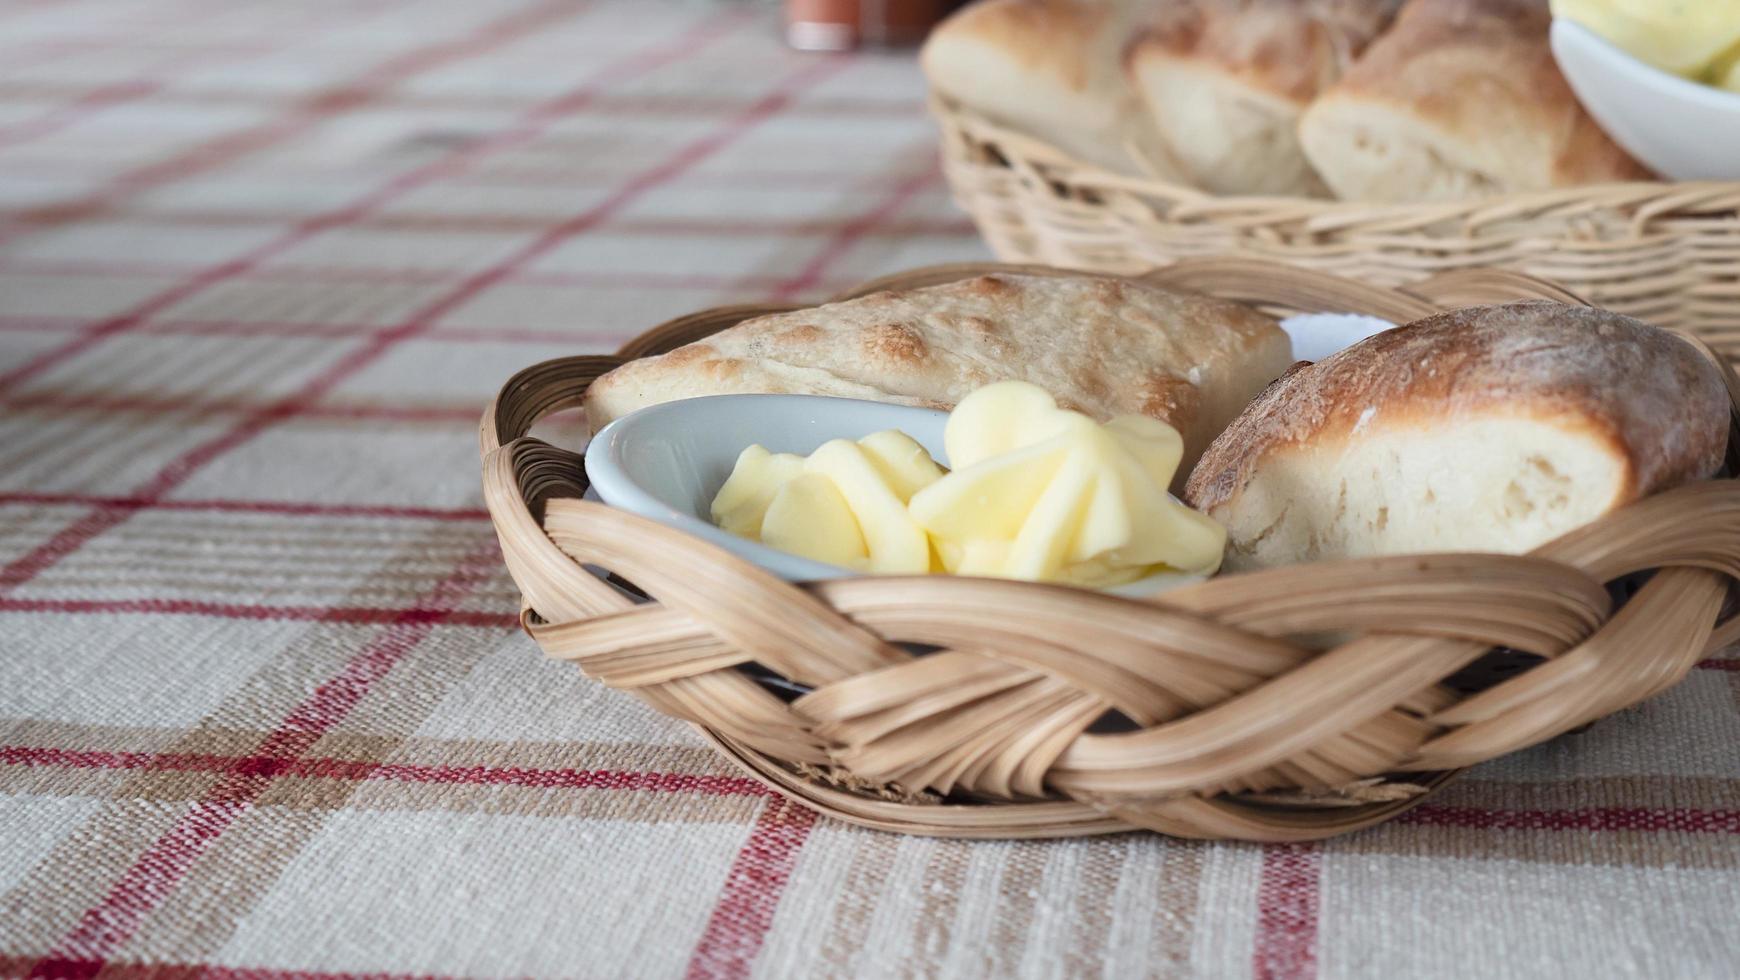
(1317, 335)
(667, 462)
(1678, 128)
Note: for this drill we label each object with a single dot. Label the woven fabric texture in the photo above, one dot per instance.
(264, 710)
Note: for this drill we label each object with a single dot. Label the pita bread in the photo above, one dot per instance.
(1102, 346)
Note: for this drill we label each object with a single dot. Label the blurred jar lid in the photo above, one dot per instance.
(841, 25)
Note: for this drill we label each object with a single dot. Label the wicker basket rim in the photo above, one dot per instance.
(1669, 195)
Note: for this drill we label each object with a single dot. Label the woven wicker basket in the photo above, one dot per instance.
(1042, 711)
(1666, 253)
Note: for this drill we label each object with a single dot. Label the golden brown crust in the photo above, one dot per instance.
(1224, 83)
(1102, 345)
(1046, 35)
(894, 342)
(1482, 73)
(1652, 397)
(1050, 68)
(1290, 48)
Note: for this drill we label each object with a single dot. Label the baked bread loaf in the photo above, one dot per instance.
(1225, 82)
(1493, 429)
(1053, 69)
(1101, 346)
(1460, 98)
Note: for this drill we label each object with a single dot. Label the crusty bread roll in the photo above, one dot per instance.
(1102, 346)
(1460, 98)
(1225, 82)
(1493, 429)
(1052, 69)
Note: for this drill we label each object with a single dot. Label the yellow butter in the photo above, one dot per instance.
(1046, 494)
(1037, 493)
(810, 517)
(892, 542)
(1686, 37)
(845, 504)
(1727, 71)
(742, 502)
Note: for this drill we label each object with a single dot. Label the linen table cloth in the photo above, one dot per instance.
(264, 710)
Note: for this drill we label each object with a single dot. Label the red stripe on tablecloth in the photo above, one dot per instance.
(852, 232)
(70, 113)
(638, 186)
(397, 70)
(308, 113)
(612, 779)
(602, 340)
(88, 103)
(288, 508)
(348, 769)
(146, 884)
(353, 615)
(1276, 870)
(636, 106)
(1287, 899)
(521, 176)
(54, 401)
(439, 222)
(64, 542)
(1611, 819)
(1720, 664)
(201, 328)
(688, 156)
(17, 966)
(641, 279)
(177, 471)
(40, 324)
(744, 913)
(73, 536)
(161, 867)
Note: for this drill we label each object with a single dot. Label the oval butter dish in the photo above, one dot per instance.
(667, 462)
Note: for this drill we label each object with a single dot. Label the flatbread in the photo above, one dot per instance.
(1102, 346)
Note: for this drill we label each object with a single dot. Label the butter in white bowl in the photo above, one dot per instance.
(1046, 494)
(1682, 128)
(1039, 493)
(845, 504)
(1698, 40)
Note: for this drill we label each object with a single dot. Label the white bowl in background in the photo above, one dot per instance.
(667, 462)
(1676, 127)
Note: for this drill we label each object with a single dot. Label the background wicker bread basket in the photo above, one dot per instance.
(1042, 711)
(1668, 253)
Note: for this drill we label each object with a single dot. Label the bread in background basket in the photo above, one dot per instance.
(1034, 710)
(1052, 68)
(1224, 83)
(1375, 99)
(1552, 200)
(1459, 99)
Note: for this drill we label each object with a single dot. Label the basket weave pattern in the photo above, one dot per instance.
(1664, 252)
(1235, 724)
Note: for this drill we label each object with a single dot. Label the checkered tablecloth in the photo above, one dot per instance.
(263, 707)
